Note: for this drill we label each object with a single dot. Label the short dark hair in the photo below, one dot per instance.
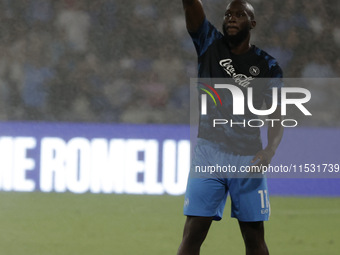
(249, 8)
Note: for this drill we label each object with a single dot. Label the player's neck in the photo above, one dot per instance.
(241, 48)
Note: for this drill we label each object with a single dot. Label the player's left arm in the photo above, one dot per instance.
(275, 128)
(274, 135)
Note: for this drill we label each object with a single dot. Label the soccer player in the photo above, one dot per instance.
(230, 55)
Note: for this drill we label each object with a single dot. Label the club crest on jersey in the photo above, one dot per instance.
(254, 70)
(240, 79)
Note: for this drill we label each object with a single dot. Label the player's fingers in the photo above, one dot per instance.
(256, 158)
(263, 161)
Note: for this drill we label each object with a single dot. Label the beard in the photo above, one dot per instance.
(238, 38)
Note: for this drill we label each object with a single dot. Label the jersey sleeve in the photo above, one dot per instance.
(204, 37)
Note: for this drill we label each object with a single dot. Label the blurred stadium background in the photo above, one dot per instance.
(119, 70)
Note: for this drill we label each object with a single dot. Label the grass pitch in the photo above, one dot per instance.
(53, 224)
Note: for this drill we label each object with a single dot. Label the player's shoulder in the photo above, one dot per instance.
(271, 63)
(205, 36)
(208, 29)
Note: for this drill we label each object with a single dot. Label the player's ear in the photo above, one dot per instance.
(252, 24)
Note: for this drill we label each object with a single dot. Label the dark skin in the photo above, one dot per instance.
(239, 15)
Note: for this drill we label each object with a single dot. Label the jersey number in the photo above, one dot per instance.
(264, 199)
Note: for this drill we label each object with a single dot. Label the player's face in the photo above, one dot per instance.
(237, 21)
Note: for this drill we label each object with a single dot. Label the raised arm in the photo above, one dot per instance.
(194, 14)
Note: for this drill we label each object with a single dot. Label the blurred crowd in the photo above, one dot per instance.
(124, 61)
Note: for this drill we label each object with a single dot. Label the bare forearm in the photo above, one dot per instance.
(189, 2)
(275, 131)
(194, 14)
(274, 136)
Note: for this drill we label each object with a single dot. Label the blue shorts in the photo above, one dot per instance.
(207, 191)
